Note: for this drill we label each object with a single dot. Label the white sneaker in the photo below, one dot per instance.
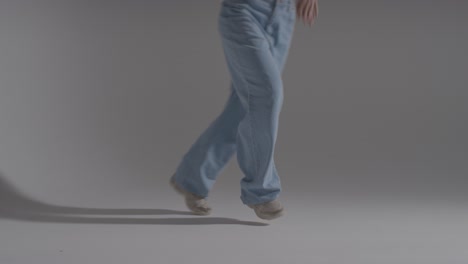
(269, 210)
(198, 205)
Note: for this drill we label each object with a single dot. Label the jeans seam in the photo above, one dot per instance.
(249, 116)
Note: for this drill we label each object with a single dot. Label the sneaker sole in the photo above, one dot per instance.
(184, 194)
(268, 215)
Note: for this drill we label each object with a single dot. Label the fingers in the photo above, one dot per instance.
(300, 9)
(313, 13)
(310, 13)
(307, 11)
(316, 10)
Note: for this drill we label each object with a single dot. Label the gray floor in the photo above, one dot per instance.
(156, 228)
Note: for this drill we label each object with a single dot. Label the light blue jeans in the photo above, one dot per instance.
(256, 36)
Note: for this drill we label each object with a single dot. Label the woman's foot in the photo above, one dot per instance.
(195, 203)
(269, 210)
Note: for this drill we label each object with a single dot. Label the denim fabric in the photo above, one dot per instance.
(256, 36)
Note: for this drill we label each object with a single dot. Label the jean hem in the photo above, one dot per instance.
(186, 188)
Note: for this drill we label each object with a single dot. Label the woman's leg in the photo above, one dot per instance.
(208, 155)
(203, 162)
(255, 35)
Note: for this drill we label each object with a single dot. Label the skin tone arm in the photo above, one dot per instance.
(307, 10)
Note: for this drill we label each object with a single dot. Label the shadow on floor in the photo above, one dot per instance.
(15, 205)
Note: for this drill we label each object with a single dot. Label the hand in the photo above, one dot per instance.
(307, 10)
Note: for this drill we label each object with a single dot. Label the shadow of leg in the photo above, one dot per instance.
(16, 206)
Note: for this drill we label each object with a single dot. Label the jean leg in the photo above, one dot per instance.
(212, 150)
(280, 30)
(259, 86)
(255, 47)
